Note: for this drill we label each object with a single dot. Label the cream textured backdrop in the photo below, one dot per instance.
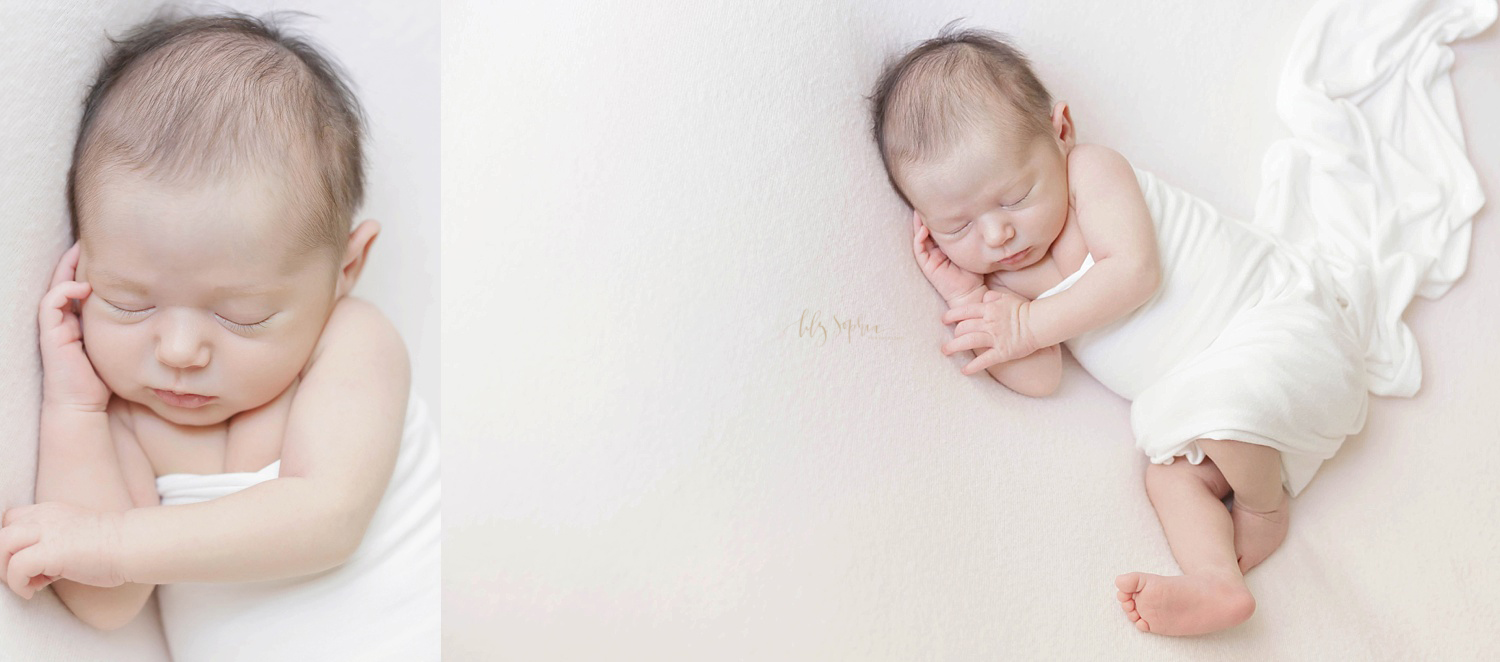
(49, 53)
(646, 461)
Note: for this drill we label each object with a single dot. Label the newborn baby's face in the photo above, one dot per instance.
(200, 308)
(993, 207)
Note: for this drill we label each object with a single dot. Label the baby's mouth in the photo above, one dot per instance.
(183, 400)
(1013, 259)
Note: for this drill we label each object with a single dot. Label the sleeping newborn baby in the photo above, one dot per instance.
(1237, 355)
(222, 422)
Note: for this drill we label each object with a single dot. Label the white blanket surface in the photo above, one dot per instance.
(678, 463)
(381, 604)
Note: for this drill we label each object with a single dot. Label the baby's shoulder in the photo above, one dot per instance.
(357, 330)
(1090, 164)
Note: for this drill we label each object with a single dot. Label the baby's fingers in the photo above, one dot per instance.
(966, 311)
(66, 266)
(968, 326)
(24, 566)
(13, 542)
(57, 303)
(967, 341)
(984, 362)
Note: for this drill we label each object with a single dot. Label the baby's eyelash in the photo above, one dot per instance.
(126, 312)
(244, 327)
(1023, 199)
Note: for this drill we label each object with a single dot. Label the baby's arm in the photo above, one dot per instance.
(91, 460)
(85, 455)
(1036, 375)
(1119, 233)
(342, 436)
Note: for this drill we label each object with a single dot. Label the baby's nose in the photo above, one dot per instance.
(997, 233)
(180, 345)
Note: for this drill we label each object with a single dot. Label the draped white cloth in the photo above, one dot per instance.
(1274, 332)
(381, 604)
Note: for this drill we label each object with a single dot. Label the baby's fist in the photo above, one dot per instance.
(46, 542)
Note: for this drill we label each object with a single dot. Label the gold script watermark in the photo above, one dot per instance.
(820, 329)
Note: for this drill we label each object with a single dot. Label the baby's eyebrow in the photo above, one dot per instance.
(247, 290)
(117, 281)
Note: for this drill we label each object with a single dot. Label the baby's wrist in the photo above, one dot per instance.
(66, 406)
(975, 295)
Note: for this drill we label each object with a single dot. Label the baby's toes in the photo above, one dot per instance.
(1130, 582)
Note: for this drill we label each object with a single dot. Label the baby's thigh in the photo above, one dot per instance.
(1206, 472)
(1243, 464)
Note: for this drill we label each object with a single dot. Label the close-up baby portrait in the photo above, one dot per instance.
(234, 453)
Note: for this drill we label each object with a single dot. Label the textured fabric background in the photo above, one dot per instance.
(662, 468)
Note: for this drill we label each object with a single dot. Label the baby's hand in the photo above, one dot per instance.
(999, 323)
(50, 541)
(68, 379)
(950, 280)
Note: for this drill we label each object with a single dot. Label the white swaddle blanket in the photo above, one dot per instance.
(381, 604)
(1274, 332)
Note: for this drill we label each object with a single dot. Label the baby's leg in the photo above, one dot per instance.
(1210, 595)
(1261, 508)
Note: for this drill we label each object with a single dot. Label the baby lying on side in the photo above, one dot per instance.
(1034, 240)
(215, 178)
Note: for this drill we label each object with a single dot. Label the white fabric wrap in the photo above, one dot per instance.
(381, 604)
(1274, 332)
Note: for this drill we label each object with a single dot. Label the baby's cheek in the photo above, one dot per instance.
(267, 372)
(108, 350)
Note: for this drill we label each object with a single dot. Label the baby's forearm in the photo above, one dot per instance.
(286, 527)
(1113, 288)
(77, 464)
(1036, 375)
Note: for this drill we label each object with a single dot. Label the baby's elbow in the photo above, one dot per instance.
(346, 530)
(1039, 388)
(106, 618)
(108, 622)
(1035, 386)
(1149, 276)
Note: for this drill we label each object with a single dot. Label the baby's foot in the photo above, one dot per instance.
(1190, 604)
(1257, 533)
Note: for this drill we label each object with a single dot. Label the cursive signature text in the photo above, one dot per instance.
(815, 326)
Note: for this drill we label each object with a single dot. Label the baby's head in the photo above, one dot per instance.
(214, 182)
(973, 142)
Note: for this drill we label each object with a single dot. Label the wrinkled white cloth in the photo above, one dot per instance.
(381, 604)
(1374, 185)
(1241, 341)
(1274, 332)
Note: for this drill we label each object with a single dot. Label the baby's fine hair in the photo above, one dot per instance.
(206, 98)
(961, 85)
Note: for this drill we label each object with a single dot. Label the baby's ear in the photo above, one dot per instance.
(1062, 124)
(355, 254)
